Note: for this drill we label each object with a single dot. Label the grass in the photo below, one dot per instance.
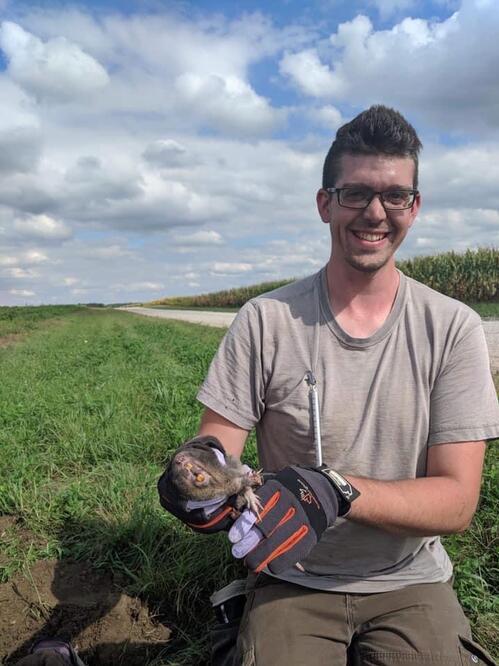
(90, 409)
(474, 555)
(20, 320)
(486, 310)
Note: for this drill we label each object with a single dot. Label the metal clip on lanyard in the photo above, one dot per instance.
(313, 397)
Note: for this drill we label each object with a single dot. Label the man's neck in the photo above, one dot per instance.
(361, 301)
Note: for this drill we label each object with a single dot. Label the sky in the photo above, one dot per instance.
(156, 148)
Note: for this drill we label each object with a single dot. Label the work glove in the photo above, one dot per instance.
(297, 505)
(206, 516)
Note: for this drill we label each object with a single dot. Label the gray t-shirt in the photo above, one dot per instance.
(420, 380)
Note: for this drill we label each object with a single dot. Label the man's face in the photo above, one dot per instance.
(366, 239)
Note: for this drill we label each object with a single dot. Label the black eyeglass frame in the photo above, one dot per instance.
(338, 190)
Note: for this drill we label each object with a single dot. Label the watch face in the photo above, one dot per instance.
(342, 484)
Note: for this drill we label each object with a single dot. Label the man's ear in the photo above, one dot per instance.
(415, 207)
(324, 205)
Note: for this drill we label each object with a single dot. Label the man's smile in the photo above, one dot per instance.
(370, 236)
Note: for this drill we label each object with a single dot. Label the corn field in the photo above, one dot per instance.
(470, 277)
(230, 298)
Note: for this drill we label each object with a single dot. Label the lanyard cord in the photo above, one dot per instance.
(310, 378)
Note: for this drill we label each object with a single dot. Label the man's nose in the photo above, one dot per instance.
(375, 211)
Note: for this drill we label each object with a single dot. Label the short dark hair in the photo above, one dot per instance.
(377, 131)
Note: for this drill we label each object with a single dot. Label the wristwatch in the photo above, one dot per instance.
(345, 492)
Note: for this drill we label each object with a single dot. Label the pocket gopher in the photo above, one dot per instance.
(199, 474)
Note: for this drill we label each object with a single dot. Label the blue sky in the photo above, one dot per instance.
(154, 148)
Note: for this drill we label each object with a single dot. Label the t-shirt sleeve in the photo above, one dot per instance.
(234, 385)
(463, 403)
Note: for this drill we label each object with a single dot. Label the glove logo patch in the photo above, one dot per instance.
(306, 495)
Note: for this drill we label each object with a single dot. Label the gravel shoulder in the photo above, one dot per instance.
(224, 319)
(218, 319)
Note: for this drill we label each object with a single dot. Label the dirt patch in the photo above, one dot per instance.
(76, 603)
(10, 339)
(7, 523)
(14, 537)
(11, 526)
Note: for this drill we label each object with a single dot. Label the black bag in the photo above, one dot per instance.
(228, 605)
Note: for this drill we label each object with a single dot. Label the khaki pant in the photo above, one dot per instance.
(289, 625)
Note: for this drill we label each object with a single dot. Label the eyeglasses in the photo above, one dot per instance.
(361, 197)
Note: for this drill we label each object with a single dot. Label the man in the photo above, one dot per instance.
(390, 382)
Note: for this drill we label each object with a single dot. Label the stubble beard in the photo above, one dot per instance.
(366, 262)
(368, 268)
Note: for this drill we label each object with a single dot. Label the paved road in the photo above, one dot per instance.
(491, 328)
(221, 319)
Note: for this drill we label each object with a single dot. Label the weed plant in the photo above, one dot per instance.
(90, 410)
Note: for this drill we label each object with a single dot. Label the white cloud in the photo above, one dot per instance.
(19, 273)
(113, 251)
(139, 286)
(20, 134)
(310, 75)
(191, 72)
(17, 110)
(22, 292)
(33, 257)
(70, 281)
(328, 116)
(227, 103)
(90, 180)
(166, 153)
(388, 7)
(55, 70)
(42, 227)
(197, 239)
(19, 149)
(442, 71)
(463, 177)
(150, 286)
(453, 229)
(8, 261)
(227, 268)
(23, 259)
(171, 175)
(169, 41)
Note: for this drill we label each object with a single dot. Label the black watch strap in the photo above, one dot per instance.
(345, 492)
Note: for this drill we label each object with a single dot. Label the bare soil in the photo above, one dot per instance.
(73, 601)
(10, 339)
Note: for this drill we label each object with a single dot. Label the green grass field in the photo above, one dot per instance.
(92, 403)
(486, 310)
